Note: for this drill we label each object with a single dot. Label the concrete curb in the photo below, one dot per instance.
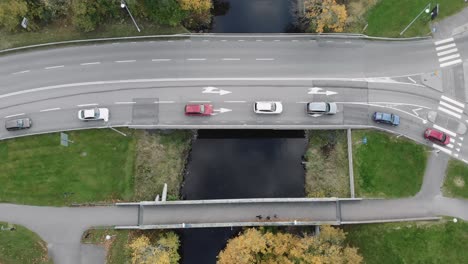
(434, 218)
(212, 35)
(238, 201)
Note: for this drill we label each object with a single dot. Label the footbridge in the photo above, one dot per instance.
(275, 212)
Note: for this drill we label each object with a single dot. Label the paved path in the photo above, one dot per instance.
(451, 26)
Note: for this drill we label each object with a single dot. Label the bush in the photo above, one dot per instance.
(11, 13)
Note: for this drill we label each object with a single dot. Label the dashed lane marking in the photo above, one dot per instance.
(14, 115)
(235, 101)
(21, 72)
(230, 59)
(90, 63)
(160, 60)
(54, 67)
(50, 109)
(125, 102)
(125, 61)
(264, 59)
(196, 59)
(164, 102)
(81, 105)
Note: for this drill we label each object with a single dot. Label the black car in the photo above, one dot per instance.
(17, 124)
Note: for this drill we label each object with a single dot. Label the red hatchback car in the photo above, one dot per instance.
(198, 109)
(437, 136)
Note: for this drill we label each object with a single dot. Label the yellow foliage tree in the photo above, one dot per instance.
(164, 252)
(325, 15)
(198, 11)
(254, 246)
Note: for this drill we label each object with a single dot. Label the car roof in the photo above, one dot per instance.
(265, 105)
(318, 106)
(436, 134)
(89, 112)
(193, 108)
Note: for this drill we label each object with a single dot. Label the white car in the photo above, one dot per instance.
(268, 107)
(94, 114)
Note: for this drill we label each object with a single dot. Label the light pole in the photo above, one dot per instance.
(124, 5)
(426, 9)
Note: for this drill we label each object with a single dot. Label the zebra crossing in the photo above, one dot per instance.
(447, 52)
(453, 108)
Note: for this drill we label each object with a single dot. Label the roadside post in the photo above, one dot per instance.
(123, 4)
(426, 9)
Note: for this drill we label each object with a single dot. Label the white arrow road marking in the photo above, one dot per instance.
(316, 115)
(222, 110)
(459, 144)
(50, 109)
(215, 90)
(317, 90)
(415, 111)
(461, 138)
(458, 149)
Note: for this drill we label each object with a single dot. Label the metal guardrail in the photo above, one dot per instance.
(188, 35)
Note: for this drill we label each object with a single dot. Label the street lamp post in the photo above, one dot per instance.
(426, 9)
(124, 5)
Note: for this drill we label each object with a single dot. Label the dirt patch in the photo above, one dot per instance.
(459, 182)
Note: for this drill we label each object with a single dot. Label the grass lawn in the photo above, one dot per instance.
(160, 159)
(436, 242)
(456, 180)
(387, 166)
(327, 164)
(37, 170)
(21, 246)
(389, 17)
(100, 166)
(60, 32)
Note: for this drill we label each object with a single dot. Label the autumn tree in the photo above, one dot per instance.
(198, 12)
(11, 13)
(255, 246)
(163, 251)
(325, 16)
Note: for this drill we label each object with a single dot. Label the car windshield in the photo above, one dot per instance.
(96, 112)
(273, 107)
(202, 108)
(443, 138)
(327, 107)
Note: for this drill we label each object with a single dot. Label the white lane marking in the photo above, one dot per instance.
(442, 148)
(223, 40)
(21, 72)
(50, 109)
(294, 40)
(411, 79)
(276, 40)
(456, 109)
(437, 43)
(164, 102)
(188, 40)
(301, 102)
(125, 103)
(90, 63)
(231, 59)
(449, 112)
(453, 134)
(348, 42)
(240, 40)
(446, 47)
(125, 61)
(448, 99)
(206, 40)
(454, 56)
(450, 146)
(447, 52)
(160, 59)
(14, 115)
(54, 67)
(259, 40)
(264, 59)
(450, 63)
(200, 101)
(452, 140)
(196, 59)
(81, 105)
(235, 101)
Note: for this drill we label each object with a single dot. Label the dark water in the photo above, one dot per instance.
(227, 164)
(253, 16)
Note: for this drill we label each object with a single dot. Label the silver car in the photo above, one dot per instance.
(321, 108)
(17, 124)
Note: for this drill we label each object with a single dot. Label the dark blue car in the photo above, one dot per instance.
(386, 118)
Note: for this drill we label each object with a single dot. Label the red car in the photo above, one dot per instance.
(198, 109)
(436, 136)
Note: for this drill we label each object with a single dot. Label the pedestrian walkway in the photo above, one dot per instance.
(447, 52)
(451, 26)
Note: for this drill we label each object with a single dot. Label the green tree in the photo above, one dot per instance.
(167, 12)
(254, 246)
(325, 16)
(11, 13)
(86, 15)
